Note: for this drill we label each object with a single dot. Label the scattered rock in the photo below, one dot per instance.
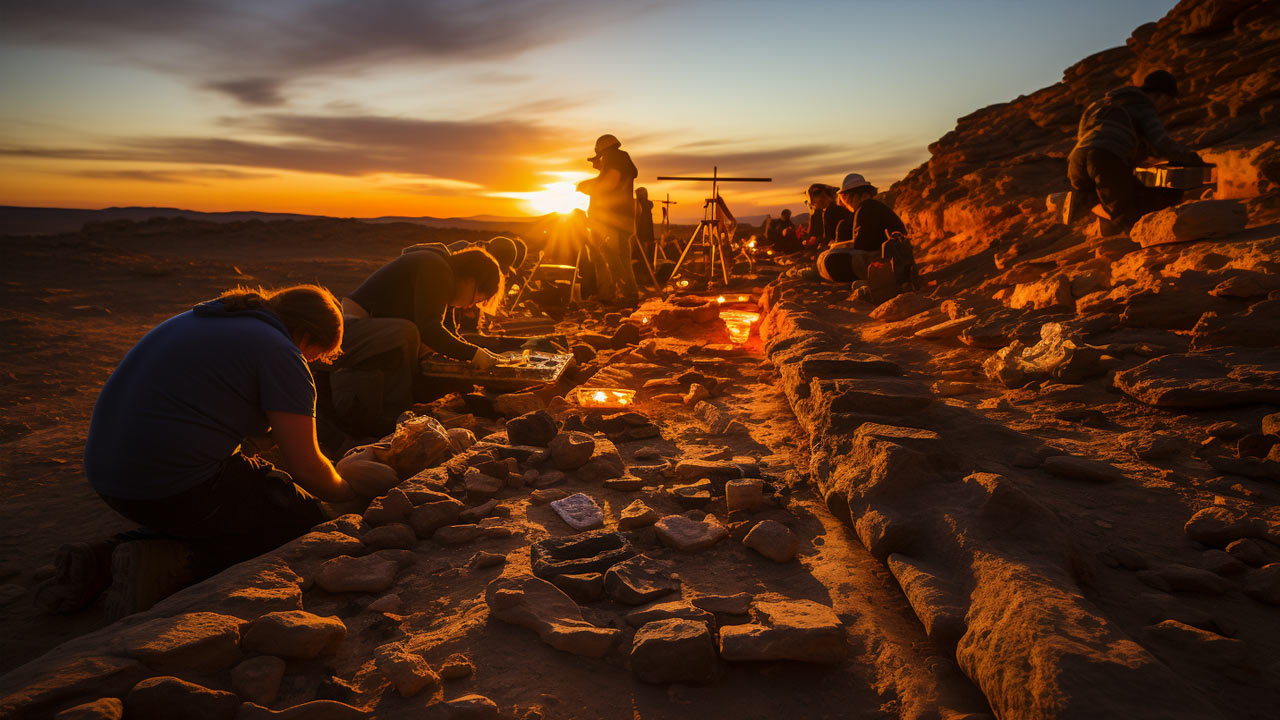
(535, 428)
(294, 634)
(456, 667)
(674, 650)
(582, 587)
(697, 393)
(718, 472)
(456, 534)
(1195, 220)
(571, 450)
(389, 603)
(540, 606)
(440, 511)
(693, 495)
(639, 580)
(549, 495)
(257, 679)
(367, 478)
(579, 512)
(368, 574)
(800, 630)
(163, 698)
(513, 404)
(637, 515)
(484, 559)
(1216, 526)
(668, 610)
(588, 552)
(746, 495)
(737, 604)
(408, 672)
(682, 533)
(773, 540)
(199, 642)
(100, 709)
(397, 536)
(1205, 380)
(481, 486)
(1078, 468)
(1263, 584)
(394, 507)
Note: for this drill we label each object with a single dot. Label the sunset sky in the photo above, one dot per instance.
(455, 108)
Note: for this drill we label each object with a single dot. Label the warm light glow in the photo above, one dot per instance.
(742, 298)
(644, 320)
(558, 197)
(605, 397)
(751, 244)
(720, 299)
(683, 283)
(738, 323)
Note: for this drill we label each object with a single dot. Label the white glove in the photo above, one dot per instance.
(484, 360)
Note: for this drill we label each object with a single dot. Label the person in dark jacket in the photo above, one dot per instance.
(825, 217)
(644, 224)
(398, 314)
(165, 447)
(611, 215)
(1116, 133)
(780, 233)
(868, 226)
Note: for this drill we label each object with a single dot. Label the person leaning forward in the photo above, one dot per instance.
(397, 315)
(1116, 133)
(164, 447)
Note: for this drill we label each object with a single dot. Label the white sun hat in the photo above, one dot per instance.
(853, 180)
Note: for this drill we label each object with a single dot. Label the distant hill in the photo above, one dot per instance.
(16, 220)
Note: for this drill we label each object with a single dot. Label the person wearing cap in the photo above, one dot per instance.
(397, 315)
(611, 215)
(1116, 133)
(825, 216)
(869, 225)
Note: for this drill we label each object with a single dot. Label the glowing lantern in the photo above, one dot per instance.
(645, 320)
(720, 300)
(742, 298)
(605, 397)
(738, 323)
(751, 243)
(683, 283)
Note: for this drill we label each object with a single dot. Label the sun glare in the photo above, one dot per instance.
(558, 197)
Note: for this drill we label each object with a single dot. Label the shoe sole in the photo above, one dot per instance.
(143, 573)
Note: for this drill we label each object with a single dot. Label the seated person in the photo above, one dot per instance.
(395, 317)
(1115, 134)
(780, 234)
(824, 217)
(868, 226)
(164, 447)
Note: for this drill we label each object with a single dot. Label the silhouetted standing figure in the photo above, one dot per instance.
(611, 213)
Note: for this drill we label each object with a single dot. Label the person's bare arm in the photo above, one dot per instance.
(296, 436)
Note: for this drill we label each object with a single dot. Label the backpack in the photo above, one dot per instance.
(897, 253)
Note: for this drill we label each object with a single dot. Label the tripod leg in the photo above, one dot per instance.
(685, 253)
(724, 265)
(528, 280)
(647, 265)
(573, 284)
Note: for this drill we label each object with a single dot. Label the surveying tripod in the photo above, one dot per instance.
(711, 235)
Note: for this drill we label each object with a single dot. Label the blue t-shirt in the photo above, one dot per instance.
(187, 395)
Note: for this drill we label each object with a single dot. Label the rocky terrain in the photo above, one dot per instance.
(1042, 486)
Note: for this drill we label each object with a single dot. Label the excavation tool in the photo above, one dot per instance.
(715, 232)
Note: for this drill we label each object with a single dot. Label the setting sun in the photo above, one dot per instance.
(558, 197)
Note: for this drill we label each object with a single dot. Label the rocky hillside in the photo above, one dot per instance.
(983, 190)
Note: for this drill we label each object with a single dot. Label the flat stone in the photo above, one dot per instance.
(639, 580)
(548, 495)
(582, 587)
(395, 536)
(637, 515)
(408, 672)
(368, 574)
(513, 404)
(745, 495)
(845, 364)
(199, 642)
(589, 552)
(694, 495)
(394, 507)
(100, 709)
(717, 471)
(540, 606)
(667, 610)
(579, 512)
(873, 396)
(163, 698)
(1205, 380)
(257, 680)
(682, 533)
(737, 604)
(800, 630)
(484, 559)
(456, 534)
(674, 650)
(571, 450)
(535, 428)
(547, 478)
(294, 634)
(902, 306)
(482, 486)
(478, 512)
(430, 516)
(389, 603)
(773, 540)
(1195, 220)
(1078, 468)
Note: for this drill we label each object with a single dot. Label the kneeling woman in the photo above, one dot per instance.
(164, 446)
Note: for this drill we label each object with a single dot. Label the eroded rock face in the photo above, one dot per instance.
(1190, 221)
(1205, 380)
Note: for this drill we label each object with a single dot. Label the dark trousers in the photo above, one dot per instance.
(1111, 179)
(373, 380)
(248, 508)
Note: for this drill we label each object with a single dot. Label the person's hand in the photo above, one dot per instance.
(483, 360)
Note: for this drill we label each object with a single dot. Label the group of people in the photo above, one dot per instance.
(166, 442)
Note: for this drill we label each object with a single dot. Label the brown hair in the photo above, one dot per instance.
(480, 266)
(311, 313)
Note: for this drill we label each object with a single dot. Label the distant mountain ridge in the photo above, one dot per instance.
(17, 220)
